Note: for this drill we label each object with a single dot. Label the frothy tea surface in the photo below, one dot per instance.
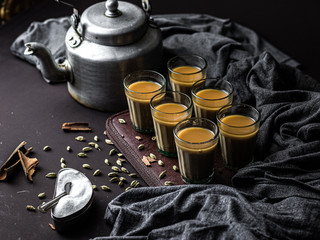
(170, 108)
(237, 120)
(211, 94)
(195, 134)
(187, 73)
(144, 87)
(238, 125)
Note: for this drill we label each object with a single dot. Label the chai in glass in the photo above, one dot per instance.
(209, 95)
(169, 108)
(196, 141)
(184, 71)
(238, 125)
(140, 87)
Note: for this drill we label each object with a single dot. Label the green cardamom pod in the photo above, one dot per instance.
(94, 187)
(116, 169)
(168, 183)
(31, 208)
(128, 188)
(119, 162)
(112, 151)
(134, 175)
(87, 166)
(41, 195)
(123, 179)
(96, 138)
(106, 161)
(62, 160)
(122, 121)
(160, 163)
(63, 165)
(46, 148)
(97, 172)
(68, 148)
(175, 168)
(123, 169)
(51, 175)
(134, 183)
(105, 188)
(114, 179)
(82, 155)
(153, 156)
(112, 174)
(80, 138)
(162, 174)
(86, 149)
(141, 146)
(108, 141)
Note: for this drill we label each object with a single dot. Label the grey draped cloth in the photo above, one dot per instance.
(277, 196)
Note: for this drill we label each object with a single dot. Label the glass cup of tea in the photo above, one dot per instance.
(168, 108)
(140, 87)
(185, 70)
(209, 95)
(196, 141)
(238, 125)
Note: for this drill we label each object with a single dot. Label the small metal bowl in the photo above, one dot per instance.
(71, 210)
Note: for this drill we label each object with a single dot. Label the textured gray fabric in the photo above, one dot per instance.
(219, 41)
(51, 33)
(276, 197)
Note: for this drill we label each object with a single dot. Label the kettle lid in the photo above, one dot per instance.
(113, 23)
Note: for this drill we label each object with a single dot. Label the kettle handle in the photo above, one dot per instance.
(146, 7)
(75, 17)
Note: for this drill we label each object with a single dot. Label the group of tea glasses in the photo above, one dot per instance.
(193, 119)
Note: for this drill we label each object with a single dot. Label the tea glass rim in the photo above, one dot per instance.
(145, 71)
(187, 55)
(187, 109)
(211, 99)
(216, 135)
(239, 104)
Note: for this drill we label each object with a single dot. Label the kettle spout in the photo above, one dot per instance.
(50, 70)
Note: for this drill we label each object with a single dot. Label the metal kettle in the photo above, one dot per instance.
(109, 41)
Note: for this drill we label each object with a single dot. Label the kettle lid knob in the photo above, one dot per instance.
(112, 8)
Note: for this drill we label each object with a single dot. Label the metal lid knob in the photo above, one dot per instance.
(116, 30)
(112, 8)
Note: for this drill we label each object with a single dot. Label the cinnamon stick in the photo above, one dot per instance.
(13, 160)
(76, 126)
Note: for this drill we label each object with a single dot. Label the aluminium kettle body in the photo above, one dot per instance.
(109, 41)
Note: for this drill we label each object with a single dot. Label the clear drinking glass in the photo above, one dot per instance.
(168, 108)
(209, 95)
(238, 125)
(196, 141)
(185, 70)
(140, 87)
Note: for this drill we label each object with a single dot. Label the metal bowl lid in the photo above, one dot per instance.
(113, 23)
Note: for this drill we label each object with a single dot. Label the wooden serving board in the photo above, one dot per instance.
(124, 138)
